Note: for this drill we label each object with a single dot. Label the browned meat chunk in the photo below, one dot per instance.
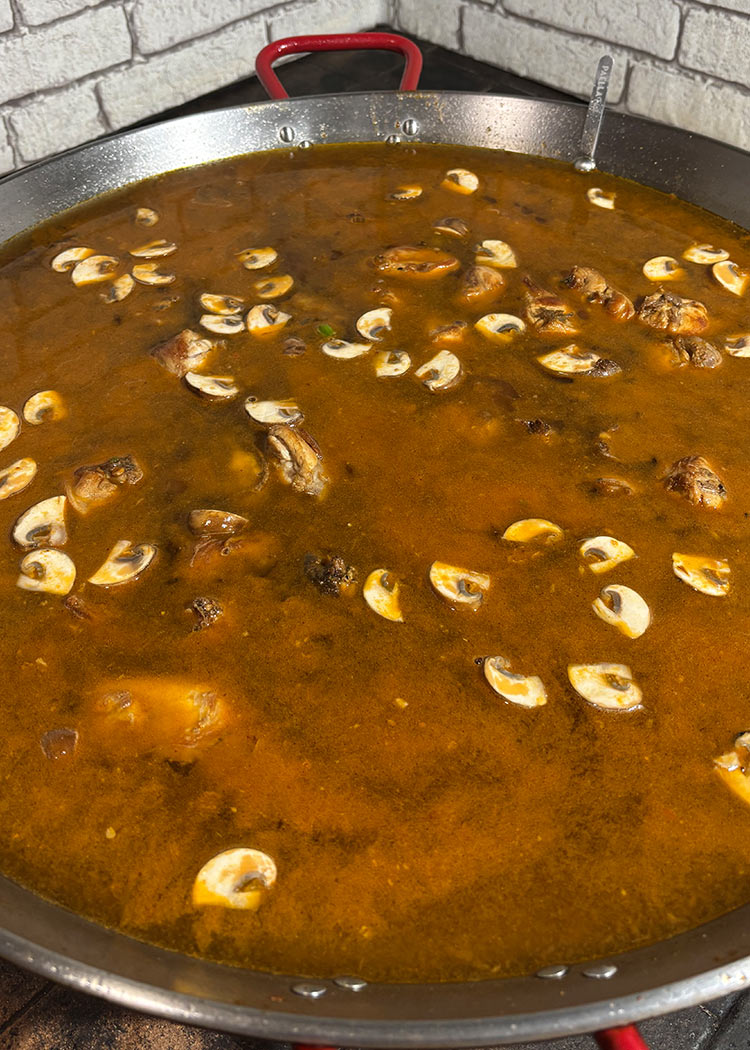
(77, 607)
(480, 286)
(182, 353)
(691, 349)
(449, 334)
(670, 313)
(594, 289)
(611, 487)
(547, 312)
(207, 612)
(258, 552)
(95, 485)
(298, 458)
(537, 426)
(330, 574)
(417, 263)
(293, 347)
(216, 523)
(694, 479)
(604, 367)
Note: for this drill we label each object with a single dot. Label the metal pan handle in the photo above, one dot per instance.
(293, 45)
(620, 1039)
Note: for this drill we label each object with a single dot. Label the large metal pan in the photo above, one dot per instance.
(693, 967)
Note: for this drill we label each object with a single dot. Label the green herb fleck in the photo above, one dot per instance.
(325, 329)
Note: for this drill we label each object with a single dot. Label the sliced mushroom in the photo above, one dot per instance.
(375, 323)
(417, 263)
(93, 269)
(42, 525)
(460, 181)
(265, 319)
(705, 254)
(257, 258)
(120, 289)
(459, 586)
(216, 523)
(299, 460)
(220, 387)
(47, 571)
(381, 591)
(16, 477)
(274, 287)
(693, 478)
(148, 273)
(221, 304)
(480, 285)
(124, 562)
(663, 268)
(593, 287)
(237, 878)
(452, 226)
(524, 690)
(146, 216)
(548, 313)
(602, 553)
(600, 198)
(496, 253)
(734, 768)
(405, 193)
(44, 407)
(570, 360)
(343, 349)
(500, 328)
(529, 529)
(606, 685)
(223, 324)
(269, 413)
(390, 363)
(691, 349)
(730, 276)
(154, 249)
(67, 260)
(669, 312)
(10, 426)
(184, 352)
(738, 345)
(707, 575)
(624, 609)
(442, 372)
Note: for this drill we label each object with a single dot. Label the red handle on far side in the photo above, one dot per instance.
(293, 45)
(627, 1038)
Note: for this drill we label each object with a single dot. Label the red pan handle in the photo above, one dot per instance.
(292, 45)
(620, 1039)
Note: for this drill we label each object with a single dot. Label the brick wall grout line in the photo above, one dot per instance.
(14, 1018)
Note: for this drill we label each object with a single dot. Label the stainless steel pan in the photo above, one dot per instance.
(696, 966)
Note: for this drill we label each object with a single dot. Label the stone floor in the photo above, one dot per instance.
(38, 1015)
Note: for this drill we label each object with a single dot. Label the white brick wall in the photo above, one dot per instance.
(71, 69)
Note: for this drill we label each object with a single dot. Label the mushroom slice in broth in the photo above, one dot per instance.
(274, 287)
(381, 592)
(529, 529)
(154, 249)
(148, 273)
(663, 268)
(68, 259)
(16, 477)
(496, 253)
(738, 345)
(500, 328)
(570, 360)
(223, 324)
(47, 571)
(601, 199)
(120, 289)
(344, 350)
(146, 217)
(733, 767)
(389, 363)
(269, 413)
(124, 562)
(705, 254)
(44, 407)
(42, 525)
(730, 276)
(257, 258)
(606, 685)
(459, 586)
(405, 193)
(237, 878)
(602, 553)
(442, 372)
(623, 608)
(224, 305)
(707, 575)
(460, 181)
(524, 690)
(218, 387)
(375, 323)
(184, 352)
(451, 226)
(265, 319)
(10, 426)
(299, 460)
(93, 269)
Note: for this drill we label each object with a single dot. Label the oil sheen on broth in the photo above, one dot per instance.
(426, 735)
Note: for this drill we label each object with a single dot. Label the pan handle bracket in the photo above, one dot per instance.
(592, 125)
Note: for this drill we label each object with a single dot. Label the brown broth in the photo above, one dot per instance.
(460, 836)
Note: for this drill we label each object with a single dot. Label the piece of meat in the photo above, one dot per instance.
(415, 262)
(537, 426)
(77, 607)
(668, 312)
(480, 285)
(207, 611)
(258, 552)
(693, 478)
(97, 484)
(547, 312)
(216, 523)
(604, 367)
(330, 574)
(184, 352)
(298, 458)
(611, 487)
(691, 349)
(593, 287)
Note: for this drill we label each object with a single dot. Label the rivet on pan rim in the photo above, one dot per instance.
(393, 139)
(305, 144)
(286, 134)
(350, 984)
(410, 126)
(308, 990)
(600, 971)
(552, 972)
